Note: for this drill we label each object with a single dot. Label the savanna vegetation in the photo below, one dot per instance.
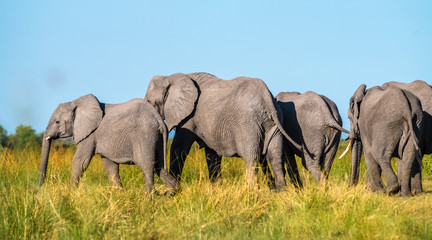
(227, 209)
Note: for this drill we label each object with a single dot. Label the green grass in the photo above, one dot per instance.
(227, 209)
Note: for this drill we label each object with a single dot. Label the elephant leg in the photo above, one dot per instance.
(393, 186)
(312, 163)
(81, 160)
(112, 170)
(180, 148)
(213, 163)
(293, 171)
(251, 171)
(274, 156)
(408, 159)
(416, 179)
(373, 173)
(328, 158)
(145, 158)
(402, 178)
(147, 169)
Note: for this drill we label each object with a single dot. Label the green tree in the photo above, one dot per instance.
(24, 136)
(3, 136)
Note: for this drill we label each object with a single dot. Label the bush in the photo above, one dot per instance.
(25, 136)
(3, 136)
(427, 164)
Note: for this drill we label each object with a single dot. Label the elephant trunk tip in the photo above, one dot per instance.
(36, 190)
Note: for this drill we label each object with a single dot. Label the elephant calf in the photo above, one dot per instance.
(120, 133)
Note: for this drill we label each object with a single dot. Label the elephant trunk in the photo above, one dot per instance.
(355, 166)
(46, 144)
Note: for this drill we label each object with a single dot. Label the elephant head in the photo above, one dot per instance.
(353, 114)
(173, 96)
(77, 119)
(354, 110)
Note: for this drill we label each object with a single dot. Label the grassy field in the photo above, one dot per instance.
(223, 210)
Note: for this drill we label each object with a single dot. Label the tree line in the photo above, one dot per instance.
(25, 136)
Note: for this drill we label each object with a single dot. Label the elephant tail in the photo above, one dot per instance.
(332, 121)
(277, 116)
(333, 124)
(274, 113)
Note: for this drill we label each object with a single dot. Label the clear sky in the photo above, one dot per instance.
(56, 51)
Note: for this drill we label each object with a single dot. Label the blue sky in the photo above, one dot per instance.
(57, 51)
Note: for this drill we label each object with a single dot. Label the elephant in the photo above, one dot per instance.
(313, 121)
(237, 117)
(385, 122)
(423, 91)
(127, 133)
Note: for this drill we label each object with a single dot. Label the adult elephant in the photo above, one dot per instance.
(237, 117)
(313, 121)
(131, 132)
(385, 122)
(423, 91)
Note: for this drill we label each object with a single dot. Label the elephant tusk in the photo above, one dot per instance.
(48, 138)
(346, 150)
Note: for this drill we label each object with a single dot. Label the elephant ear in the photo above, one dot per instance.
(180, 99)
(88, 115)
(354, 110)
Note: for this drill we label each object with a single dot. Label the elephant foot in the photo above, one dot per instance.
(271, 185)
(416, 191)
(298, 184)
(152, 193)
(116, 185)
(280, 189)
(375, 188)
(271, 181)
(169, 180)
(73, 184)
(392, 190)
(406, 194)
(172, 192)
(36, 190)
(214, 179)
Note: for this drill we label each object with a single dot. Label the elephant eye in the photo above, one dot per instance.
(57, 122)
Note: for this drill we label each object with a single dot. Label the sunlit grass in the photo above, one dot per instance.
(227, 209)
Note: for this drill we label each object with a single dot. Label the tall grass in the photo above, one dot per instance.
(227, 209)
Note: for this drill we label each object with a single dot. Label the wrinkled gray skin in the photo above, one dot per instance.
(423, 91)
(131, 132)
(385, 122)
(236, 117)
(313, 121)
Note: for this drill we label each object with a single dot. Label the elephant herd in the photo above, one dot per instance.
(240, 117)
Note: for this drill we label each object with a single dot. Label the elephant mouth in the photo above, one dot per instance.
(64, 135)
(56, 136)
